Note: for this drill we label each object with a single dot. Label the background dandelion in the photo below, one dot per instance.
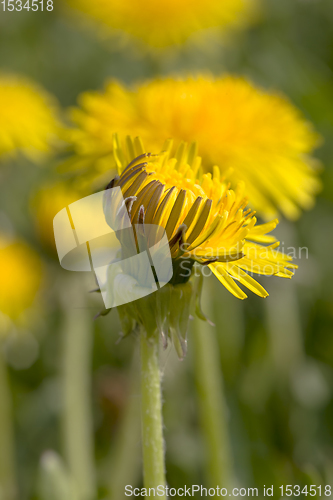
(254, 136)
(21, 271)
(29, 118)
(167, 23)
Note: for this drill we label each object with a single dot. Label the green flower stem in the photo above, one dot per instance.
(77, 423)
(212, 406)
(125, 464)
(7, 464)
(151, 413)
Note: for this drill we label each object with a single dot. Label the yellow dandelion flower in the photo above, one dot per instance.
(28, 118)
(205, 221)
(254, 136)
(167, 22)
(20, 270)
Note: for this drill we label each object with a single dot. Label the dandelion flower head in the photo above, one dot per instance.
(205, 221)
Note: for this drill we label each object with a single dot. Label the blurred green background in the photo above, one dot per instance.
(276, 355)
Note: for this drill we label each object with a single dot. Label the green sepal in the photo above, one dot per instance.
(179, 315)
(163, 300)
(146, 313)
(165, 312)
(105, 312)
(126, 320)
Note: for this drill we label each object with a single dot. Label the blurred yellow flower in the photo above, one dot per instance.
(21, 273)
(205, 221)
(254, 136)
(167, 22)
(28, 118)
(47, 202)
